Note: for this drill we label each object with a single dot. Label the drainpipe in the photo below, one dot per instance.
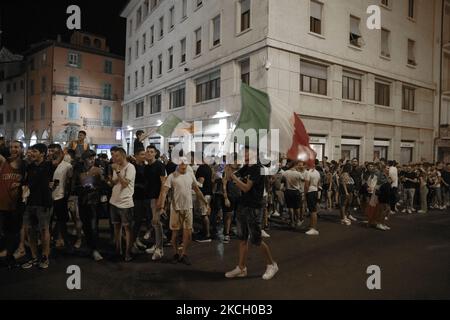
(441, 75)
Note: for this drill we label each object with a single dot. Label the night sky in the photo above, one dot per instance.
(27, 22)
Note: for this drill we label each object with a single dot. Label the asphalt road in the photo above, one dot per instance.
(414, 258)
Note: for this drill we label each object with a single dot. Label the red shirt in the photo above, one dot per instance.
(9, 195)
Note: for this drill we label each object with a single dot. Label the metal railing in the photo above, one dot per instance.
(85, 92)
(101, 123)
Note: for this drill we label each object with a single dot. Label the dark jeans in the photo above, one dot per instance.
(142, 211)
(393, 198)
(12, 223)
(249, 225)
(61, 215)
(88, 216)
(218, 202)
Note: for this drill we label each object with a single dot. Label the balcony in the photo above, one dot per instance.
(84, 92)
(89, 122)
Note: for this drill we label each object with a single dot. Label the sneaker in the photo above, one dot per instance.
(352, 218)
(176, 258)
(347, 222)
(77, 244)
(380, 227)
(128, 258)
(147, 235)
(409, 211)
(443, 207)
(404, 211)
(312, 232)
(32, 263)
(97, 256)
(204, 240)
(270, 271)
(44, 263)
(264, 234)
(392, 212)
(135, 249)
(140, 245)
(185, 260)
(299, 223)
(386, 227)
(276, 214)
(158, 254)
(3, 254)
(421, 211)
(236, 273)
(19, 253)
(413, 210)
(226, 239)
(151, 250)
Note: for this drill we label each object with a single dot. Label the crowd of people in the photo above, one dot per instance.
(53, 198)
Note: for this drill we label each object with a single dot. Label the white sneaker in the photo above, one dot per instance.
(276, 214)
(392, 212)
(158, 254)
(140, 245)
(312, 232)
(421, 211)
(347, 222)
(386, 227)
(409, 211)
(271, 270)
(352, 218)
(413, 210)
(299, 223)
(19, 253)
(380, 227)
(404, 211)
(151, 250)
(443, 207)
(236, 273)
(147, 235)
(264, 234)
(97, 256)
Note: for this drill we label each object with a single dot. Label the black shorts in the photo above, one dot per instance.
(293, 199)
(311, 200)
(249, 224)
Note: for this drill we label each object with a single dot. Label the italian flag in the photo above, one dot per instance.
(261, 111)
(174, 127)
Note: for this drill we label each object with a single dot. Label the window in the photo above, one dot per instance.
(385, 43)
(150, 71)
(245, 71)
(129, 56)
(208, 87)
(2, 75)
(177, 98)
(8, 116)
(411, 9)
(144, 43)
(198, 41)
(42, 110)
(245, 14)
(140, 109)
(106, 116)
(1, 118)
(160, 64)
(108, 66)
(315, 19)
(31, 113)
(97, 43)
(43, 84)
(199, 3)
(408, 98)
(152, 35)
(107, 91)
(138, 17)
(137, 49)
(74, 59)
(183, 50)
(1, 99)
(155, 104)
(170, 52)
(142, 76)
(385, 3)
(382, 94)
(355, 34)
(128, 84)
(8, 87)
(22, 114)
(32, 64)
(135, 80)
(184, 9)
(216, 31)
(411, 52)
(74, 84)
(313, 78)
(161, 27)
(153, 4)
(44, 58)
(72, 112)
(171, 17)
(145, 9)
(21, 84)
(14, 115)
(130, 28)
(351, 87)
(87, 41)
(31, 87)
(14, 86)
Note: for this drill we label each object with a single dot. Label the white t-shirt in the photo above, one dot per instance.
(123, 197)
(313, 176)
(182, 187)
(393, 174)
(61, 174)
(294, 180)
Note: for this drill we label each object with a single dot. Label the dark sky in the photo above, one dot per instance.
(27, 22)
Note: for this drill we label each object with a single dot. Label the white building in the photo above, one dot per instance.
(361, 93)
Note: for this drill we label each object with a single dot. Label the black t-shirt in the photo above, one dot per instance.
(356, 174)
(138, 145)
(170, 168)
(141, 184)
(253, 198)
(446, 176)
(38, 179)
(384, 193)
(410, 184)
(205, 171)
(153, 174)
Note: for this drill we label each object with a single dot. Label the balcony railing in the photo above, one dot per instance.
(89, 122)
(84, 92)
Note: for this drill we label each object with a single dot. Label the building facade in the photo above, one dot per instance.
(12, 95)
(362, 93)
